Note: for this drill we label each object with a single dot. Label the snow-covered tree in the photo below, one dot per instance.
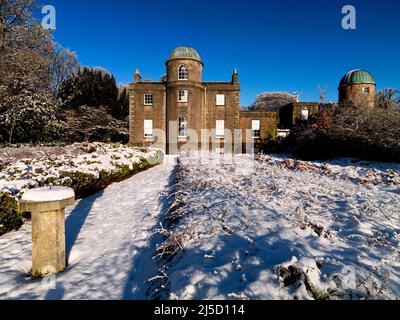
(29, 118)
(31, 67)
(272, 101)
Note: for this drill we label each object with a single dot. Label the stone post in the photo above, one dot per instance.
(48, 227)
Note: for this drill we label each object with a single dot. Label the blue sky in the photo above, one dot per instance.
(284, 45)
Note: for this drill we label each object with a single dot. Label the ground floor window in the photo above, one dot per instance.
(255, 128)
(220, 128)
(148, 128)
(305, 114)
(182, 127)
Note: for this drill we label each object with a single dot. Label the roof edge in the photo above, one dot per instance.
(185, 58)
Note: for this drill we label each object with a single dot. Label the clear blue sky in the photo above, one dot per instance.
(284, 45)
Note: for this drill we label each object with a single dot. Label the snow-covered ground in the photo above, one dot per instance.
(109, 239)
(267, 229)
(283, 229)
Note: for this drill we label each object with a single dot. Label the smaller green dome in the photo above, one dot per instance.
(357, 77)
(184, 52)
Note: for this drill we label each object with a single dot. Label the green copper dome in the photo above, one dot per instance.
(184, 52)
(357, 77)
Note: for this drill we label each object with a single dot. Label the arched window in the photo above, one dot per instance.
(183, 72)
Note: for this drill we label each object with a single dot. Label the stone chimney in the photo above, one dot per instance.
(137, 77)
(235, 77)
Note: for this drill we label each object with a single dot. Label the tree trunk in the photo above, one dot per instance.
(11, 132)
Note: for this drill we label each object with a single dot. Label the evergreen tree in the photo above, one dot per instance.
(121, 110)
(94, 88)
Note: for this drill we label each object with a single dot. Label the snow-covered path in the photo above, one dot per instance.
(110, 240)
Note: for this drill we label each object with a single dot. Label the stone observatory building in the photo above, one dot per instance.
(182, 109)
(181, 104)
(357, 86)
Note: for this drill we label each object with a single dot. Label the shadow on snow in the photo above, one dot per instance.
(144, 266)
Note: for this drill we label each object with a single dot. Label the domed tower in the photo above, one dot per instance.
(185, 93)
(184, 64)
(358, 86)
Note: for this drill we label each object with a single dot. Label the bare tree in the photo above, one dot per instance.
(388, 99)
(25, 48)
(63, 63)
(322, 92)
(350, 129)
(298, 94)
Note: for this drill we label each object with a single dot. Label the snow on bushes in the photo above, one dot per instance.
(282, 229)
(100, 165)
(17, 152)
(29, 118)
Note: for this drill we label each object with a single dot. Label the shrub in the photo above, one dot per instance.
(349, 130)
(10, 218)
(85, 173)
(93, 125)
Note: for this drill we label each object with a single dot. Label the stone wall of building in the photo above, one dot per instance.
(191, 110)
(138, 111)
(298, 107)
(195, 70)
(293, 113)
(230, 112)
(268, 124)
(356, 94)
